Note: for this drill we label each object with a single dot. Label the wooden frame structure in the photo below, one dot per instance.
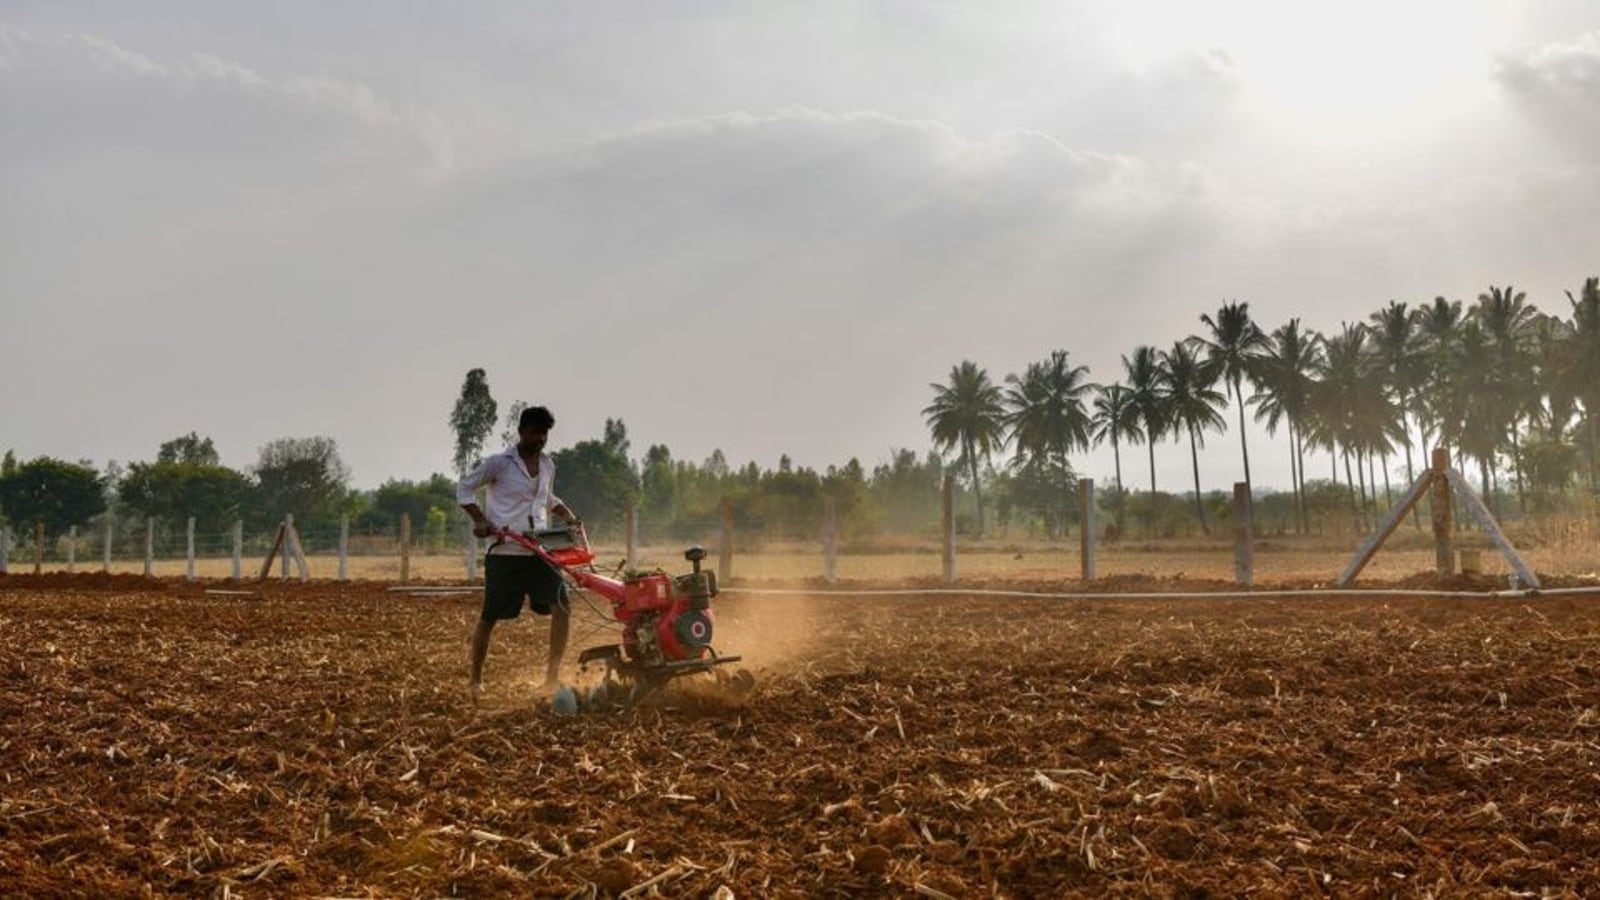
(1440, 479)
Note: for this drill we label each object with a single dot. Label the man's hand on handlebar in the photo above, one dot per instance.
(483, 529)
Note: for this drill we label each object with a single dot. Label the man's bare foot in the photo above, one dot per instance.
(475, 691)
(549, 687)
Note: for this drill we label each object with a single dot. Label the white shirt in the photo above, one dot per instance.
(515, 498)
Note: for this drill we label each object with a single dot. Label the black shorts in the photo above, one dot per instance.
(507, 579)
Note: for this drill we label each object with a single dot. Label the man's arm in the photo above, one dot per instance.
(466, 495)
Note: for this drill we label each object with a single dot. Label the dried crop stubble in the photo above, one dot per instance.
(315, 740)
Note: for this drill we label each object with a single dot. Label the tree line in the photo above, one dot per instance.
(1508, 389)
(1511, 390)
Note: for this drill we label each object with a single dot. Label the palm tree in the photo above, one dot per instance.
(1508, 321)
(1149, 400)
(1581, 370)
(1338, 398)
(1233, 350)
(1283, 381)
(1440, 325)
(1116, 420)
(1046, 417)
(967, 412)
(1396, 339)
(1192, 404)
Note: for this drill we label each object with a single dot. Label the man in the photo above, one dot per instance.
(519, 495)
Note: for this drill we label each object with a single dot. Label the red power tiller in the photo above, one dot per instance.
(665, 619)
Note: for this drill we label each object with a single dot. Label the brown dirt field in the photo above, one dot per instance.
(316, 740)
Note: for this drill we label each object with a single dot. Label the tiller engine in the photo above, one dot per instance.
(665, 619)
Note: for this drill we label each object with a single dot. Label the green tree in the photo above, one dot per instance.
(190, 449)
(302, 476)
(967, 413)
(1192, 405)
(423, 501)
(472, 420)
(1233, 349)
(596, 479)
(50, 491)
(172, 491)
(658, 485)
(1047, 420)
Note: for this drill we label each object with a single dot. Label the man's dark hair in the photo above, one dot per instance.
(537, 418)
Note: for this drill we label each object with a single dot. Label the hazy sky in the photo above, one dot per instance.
(759, 227)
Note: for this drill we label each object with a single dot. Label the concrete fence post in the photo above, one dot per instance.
(72, 549)
(188, 568)
(1244, 562)
(630, 529)
(947, 527)
(149, 546)
(725, 548)
(288, 546)
(830, 541)
(469, 551)
(238, 549)
(105, 547)
(5, 548)
(405, 547)
(38, 548)
(344, 547)
(1086, 527)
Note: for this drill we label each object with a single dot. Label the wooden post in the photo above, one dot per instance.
(38, 548)
(238, 549)
(277, 546)
(188, 569)
(830, 541)
(1086, 527)
(405, 547)
(630, 528)
(947, 527)
(469, 552)
(105, 549)
(72, 548)
(725, 546)
(344, 546)
(1244, 555)
(1444, 551)
(5, 548)
(284, 559)
(149, 546)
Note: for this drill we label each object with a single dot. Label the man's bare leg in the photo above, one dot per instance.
(480, 650)
(560, 623)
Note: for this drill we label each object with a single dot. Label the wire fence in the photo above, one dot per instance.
(822, 547)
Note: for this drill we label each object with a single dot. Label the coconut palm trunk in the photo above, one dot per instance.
(1199, 503)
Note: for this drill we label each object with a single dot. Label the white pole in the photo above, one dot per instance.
(105, 549)
(188, 568)
(149, 546)
(830, 541)
(344, 547)
(630, 524)
(72, 548)
(288, 545)
(238, 549)
(470, 551)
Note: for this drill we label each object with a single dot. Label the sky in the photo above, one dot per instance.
(764, 228)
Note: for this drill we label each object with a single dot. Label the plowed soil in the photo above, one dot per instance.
(317, 740)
